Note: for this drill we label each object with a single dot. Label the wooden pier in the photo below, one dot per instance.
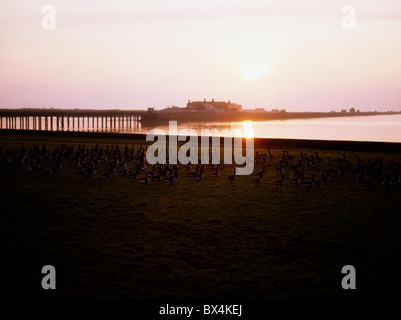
(70, 120)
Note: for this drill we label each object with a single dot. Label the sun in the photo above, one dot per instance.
(248, 130)
(255, 72)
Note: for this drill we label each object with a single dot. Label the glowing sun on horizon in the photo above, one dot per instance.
(254, 72)
(248, 129)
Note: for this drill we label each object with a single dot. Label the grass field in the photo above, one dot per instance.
(118, 239)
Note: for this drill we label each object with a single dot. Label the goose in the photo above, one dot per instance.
(269, 154)
(47, 171)
(367, 183)
(27, 169)
(232, 177)
(215, 174)
(171, 179)
(295, 180)
(256, 181)
(361, 176)
(318, 159)
(280, 182)
(261, 173)
(200, 175)
(396, 180)
(144, 180)
(279, 167)
(107, 174)
(133, 176)
(387, 183)
(260, 156)
(321, 181)
(310, 183)
(341, 174)
(192, 174)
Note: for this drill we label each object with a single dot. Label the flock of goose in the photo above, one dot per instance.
(130, 162)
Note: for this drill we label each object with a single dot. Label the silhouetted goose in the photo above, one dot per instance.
(257, 180)
(341, 174)
(144, 180)
(320, 181)
(367, 183)
(27, 169)
(360, 177)
(171, 179)
(200, 175)
(279, 167)
(310, 183)
(261, 173)
(280, 182)
(133, 176)
(387, 183)
(232, 177)
(392, 163)
(295, 180)
(192, 174)
(269, 154)
(215, 174)
(47, 171)
(107, 174)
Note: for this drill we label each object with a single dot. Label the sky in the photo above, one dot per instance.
(130, 54)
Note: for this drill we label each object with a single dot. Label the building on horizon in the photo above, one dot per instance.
(214, 106)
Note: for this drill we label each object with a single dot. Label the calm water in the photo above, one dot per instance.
(385, 128)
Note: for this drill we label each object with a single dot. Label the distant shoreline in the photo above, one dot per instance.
(161, 117)
(333, 145)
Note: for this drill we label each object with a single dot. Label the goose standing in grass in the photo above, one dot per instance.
(367, 183)
(257, 180)
(215, 174)
(144, 181)
(200, 175)
(295, 180)
(387, 183)
(280, 182)
(132, 175)
(261, 173)
(279, 167)
(341, 174)
(107, 174)
(320, 181)
(47, 171)
(172, 179)
(232, 177)
(310, 183)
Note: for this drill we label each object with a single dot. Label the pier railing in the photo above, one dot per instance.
(69, 120)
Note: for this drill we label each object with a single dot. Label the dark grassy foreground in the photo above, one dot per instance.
(116, 239)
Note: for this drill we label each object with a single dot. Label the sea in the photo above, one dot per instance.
(378, 128)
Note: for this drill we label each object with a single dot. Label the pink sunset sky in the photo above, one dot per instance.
(137, 54)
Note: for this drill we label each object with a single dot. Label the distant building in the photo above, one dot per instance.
(214, 106)
(343, 111)
(151, 109)
(277, 110)
(352, 110)
(260, 109)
